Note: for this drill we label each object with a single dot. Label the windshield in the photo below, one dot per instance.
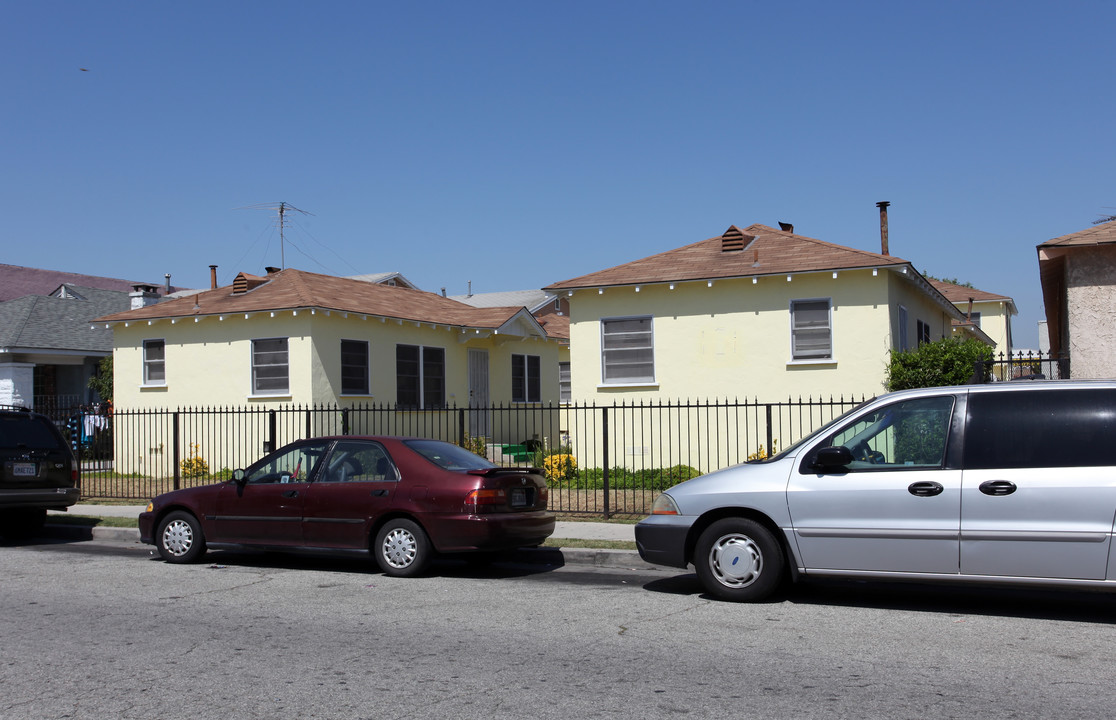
(447, 456)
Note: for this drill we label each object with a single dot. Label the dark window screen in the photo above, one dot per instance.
(1053, 428)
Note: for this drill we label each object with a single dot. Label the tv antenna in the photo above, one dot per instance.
(282, 208)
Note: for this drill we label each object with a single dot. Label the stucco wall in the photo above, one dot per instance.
(1090, 298)
(733, 340)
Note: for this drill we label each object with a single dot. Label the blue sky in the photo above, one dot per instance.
(516, 144)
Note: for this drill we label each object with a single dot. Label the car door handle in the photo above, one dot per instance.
(291, 494)
(379, 493)
(997, 487)
(925, 489)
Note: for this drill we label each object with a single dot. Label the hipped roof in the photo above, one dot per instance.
(292, 289)
(765, 251)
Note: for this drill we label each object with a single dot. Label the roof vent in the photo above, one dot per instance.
(734, 240)
(245, 282)
(786, 227)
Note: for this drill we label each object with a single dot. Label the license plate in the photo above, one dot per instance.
(518, 497)
(24, 470)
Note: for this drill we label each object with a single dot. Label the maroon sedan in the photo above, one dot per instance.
(403, 499)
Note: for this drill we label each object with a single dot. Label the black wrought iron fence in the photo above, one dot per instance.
(600, 460)
(1025, 366)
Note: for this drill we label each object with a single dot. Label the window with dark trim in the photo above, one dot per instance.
(154, 362)
(526, 383)
(354, 367)
(923, 332)
(270, 367)
(420, 376)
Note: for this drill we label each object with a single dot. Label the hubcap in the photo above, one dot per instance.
(399, 548)
(736, 561)
(178, 537)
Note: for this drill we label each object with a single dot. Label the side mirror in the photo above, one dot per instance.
(830, 458)
(239, 477)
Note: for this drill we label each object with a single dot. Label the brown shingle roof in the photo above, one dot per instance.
(766, 251)
(961, 294)
(1102, 234)
(296, 289)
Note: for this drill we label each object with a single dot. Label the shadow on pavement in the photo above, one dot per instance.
(1031, 603)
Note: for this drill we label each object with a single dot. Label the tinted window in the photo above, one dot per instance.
(296, 463)
(25, 431)
(358, 461)
(1053, 428)
(449, 457)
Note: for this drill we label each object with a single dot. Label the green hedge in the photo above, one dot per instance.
(624, 479)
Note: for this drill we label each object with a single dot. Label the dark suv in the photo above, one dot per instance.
(38, 472)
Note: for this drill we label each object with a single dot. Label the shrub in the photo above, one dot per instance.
(559, 466)
(194, 465)
(477, 445)
(761, 454)
(938, 364)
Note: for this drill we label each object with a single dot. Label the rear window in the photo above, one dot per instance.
(447, 456)
(28, 431)
(1051, 428)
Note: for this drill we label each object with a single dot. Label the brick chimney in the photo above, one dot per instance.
(143, 295)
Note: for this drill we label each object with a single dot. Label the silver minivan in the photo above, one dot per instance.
(1009, 483)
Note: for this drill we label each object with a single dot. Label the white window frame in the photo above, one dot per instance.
(797, 359)
(255, 366)
(367, 389)
(639, 381)
(149, 364)
(565, 386)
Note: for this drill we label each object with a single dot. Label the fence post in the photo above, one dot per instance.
(345, 421)
(271, 431)
(461, 426)
(770, 432)
(604, 445)
(174, 452)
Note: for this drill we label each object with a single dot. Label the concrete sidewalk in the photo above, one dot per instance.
(564, 529)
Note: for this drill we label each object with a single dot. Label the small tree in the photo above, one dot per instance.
(102, 381)
(937, 364)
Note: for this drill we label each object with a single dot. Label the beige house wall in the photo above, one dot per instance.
(1090, 298)
(733, 339)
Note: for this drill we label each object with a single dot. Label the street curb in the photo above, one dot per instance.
(597, 557)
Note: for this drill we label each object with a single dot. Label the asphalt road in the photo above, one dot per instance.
(102, 630)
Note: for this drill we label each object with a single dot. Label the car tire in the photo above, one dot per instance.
(22, 523)
(739, 559)
(180, 538)
(402, 548)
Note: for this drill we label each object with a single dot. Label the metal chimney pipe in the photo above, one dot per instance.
(212, 277)
(168, 286)
(883, 225)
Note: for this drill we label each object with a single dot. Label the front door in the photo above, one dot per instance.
(480, 421)
(896, 507)
(266, 507)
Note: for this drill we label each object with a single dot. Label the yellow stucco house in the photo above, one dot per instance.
(304, 338)
(988, 311)
(754, 313)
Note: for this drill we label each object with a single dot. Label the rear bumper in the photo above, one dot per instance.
(661, 539)
(47, 498)
(499, 531)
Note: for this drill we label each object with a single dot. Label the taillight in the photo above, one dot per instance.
(485, 496)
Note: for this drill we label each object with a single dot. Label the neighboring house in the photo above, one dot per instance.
(552, 312)
(48, 352)
(310, 339)
(754, 313)
(988, 311)
(1078, 292)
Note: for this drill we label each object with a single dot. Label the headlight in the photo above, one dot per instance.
(665, 505)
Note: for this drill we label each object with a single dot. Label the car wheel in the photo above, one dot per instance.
(402, 548)
(22, 523)
(180, 538)
(739, 559)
